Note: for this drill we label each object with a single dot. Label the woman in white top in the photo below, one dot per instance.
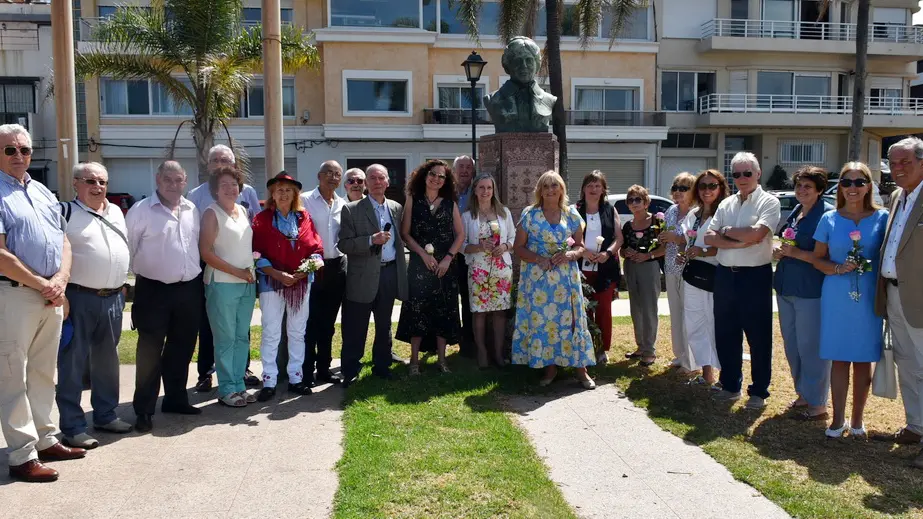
(700, 264)
(225, 244)
(489, 231)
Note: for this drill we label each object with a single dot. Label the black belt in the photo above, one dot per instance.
(387, 263)
(892, 281)
(744, 269)
(12, 283)
(101, 292)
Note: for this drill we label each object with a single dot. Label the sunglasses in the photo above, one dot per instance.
(358, 181)
(708, 186)
(681, 189)
(436, 175)
(94, 182)
(859, 182)
(738, 174)
(634, 200)
(9, 151)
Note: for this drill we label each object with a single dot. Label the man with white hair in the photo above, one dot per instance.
(900, 286)
(219, 156)
(355, 184)
(163, 240)
(742, 230)
(96, 296)
(35, 265)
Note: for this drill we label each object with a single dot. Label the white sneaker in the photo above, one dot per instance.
(115, 426)
(82, 440)
(860, 433)
(755, 402)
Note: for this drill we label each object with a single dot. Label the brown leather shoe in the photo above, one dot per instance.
(60, 452)
(902, 437)
(918, 461)
(33, 471)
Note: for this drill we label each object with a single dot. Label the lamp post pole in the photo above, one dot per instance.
(474, 123)
(62, 24)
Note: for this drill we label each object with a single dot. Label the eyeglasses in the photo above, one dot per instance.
(9, 151)
(708, 186)
(332, 173)
(357, 181)
(94, 182)
(436, 175)
(634, 200)
(681, 189)
(738, 174)
(859, 182)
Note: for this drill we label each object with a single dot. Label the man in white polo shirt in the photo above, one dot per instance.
(99, 269)
(742, 231)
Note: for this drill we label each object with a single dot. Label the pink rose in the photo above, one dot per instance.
(659, 216)
(788, 233)
(256, 256)
(570, 242)
(855, 235)
(639, 235)
(692, 233)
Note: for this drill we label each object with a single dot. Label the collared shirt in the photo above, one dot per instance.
(384, 217)
(901, 214)
(759, 209)
(326, 219)
(164, 246)
(100, 255)
(463, 200)
(793, 277)
(202, 198)
(30, 217)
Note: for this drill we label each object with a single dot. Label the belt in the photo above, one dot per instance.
(893, 282)
(744, 269)
(101, 292)
(387, 263)
(12, 283)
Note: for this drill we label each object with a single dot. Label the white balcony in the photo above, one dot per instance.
(816, 111)
(892, 41)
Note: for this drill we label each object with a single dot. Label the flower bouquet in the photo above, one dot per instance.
(310, 265)
(863, 264)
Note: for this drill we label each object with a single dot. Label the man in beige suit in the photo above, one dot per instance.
(900, 286)
(375, 276)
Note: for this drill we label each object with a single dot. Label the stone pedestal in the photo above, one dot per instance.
(516, 160)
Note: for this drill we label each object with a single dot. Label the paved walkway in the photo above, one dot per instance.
(261, 461)
(611, 461)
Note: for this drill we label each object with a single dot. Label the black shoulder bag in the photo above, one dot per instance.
(700, 274)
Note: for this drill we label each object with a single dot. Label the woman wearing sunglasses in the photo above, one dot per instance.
(675, 241)
(642, 272)
(850, 331)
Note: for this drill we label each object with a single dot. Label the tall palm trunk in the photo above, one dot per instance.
(858, 95)
(203, 134)
(558, 117)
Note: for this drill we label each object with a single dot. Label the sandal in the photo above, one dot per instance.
(634, 355)
(414, 370)
(248, 396)
(860, 433)
(836, 433)
(648, 363)
(233, 400)
(443, 367)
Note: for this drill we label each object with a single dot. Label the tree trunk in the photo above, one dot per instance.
(858, 96)
(204, 137)
(558, 117)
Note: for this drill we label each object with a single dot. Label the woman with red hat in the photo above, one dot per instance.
(283, 238)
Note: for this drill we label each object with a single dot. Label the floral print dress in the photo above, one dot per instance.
(550, 313)
(489, 278)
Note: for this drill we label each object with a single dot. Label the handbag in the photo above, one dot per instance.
(884, 381)
(700, 274)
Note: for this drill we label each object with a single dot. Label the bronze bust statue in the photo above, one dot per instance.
(520, 105)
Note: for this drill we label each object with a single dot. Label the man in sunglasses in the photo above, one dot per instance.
(742, 231)
(35, 266)
(355, 184)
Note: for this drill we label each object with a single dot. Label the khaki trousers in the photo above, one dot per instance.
(908, 356)
(30, 333)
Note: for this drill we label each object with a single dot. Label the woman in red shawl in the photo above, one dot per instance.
(284, 237)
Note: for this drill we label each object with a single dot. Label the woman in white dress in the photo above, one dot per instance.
(698, 276)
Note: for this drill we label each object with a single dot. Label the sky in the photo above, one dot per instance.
(918, 16)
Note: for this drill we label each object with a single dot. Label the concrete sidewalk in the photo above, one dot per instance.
(265, 460)
(610, 460)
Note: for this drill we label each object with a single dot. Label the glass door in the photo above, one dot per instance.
(779, 18)
(812, 93)
(774, 91)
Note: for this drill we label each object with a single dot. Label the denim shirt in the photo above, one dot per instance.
(30, 217)
(287, 225)
(795, 278)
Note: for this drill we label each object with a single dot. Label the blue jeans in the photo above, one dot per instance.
(799, 319)
(230, 308)
(97, 329)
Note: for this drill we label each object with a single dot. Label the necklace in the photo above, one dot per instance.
(432, 203)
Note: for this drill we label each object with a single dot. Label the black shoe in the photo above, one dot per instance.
(180, 409)
(385, 375)
(204, 384)
(348, 382)
(144, 423)
(300, 388)
(328, 377)
(266, 394)
(397, 359)
(251, 380)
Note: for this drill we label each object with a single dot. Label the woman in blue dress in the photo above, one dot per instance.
(551, 323)
(850, 330)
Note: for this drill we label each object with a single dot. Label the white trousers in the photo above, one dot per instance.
(273, 307)
(30, 334)
(681, 348)
(908, 355)
(699, 317)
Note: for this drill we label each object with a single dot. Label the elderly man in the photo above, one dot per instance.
(355, 184)
(377, 274)
(99, 247)
(325, 208)
(742, 230)
(35, 264)
(900, 286)
(219, 156)
(163, 238)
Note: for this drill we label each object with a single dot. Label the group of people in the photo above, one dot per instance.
(201, 261)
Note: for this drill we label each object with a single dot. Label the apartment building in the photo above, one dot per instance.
(775, 77)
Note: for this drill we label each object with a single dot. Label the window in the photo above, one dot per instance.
(699, 141)
(682, 90)
(162, 104)
(450, 22)
(377, 92)
(17, 101)
(375, 13)
(105, 11)
(801, 152)
(732, 145)
(254, 16)
(459, 97)
(636, 27)
(606, 106)
(121, 97)
(397, 175)
(252, 103)
(889, 98)
(775, 90)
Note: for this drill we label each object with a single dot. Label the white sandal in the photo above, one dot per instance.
(860, 433)
(836, 433)
(233, 400)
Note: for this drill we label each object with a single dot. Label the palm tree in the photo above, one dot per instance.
(518, 17)
(198, 51)
(858, 94)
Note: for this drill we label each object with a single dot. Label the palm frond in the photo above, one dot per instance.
(589, 13)
(204, 27)
(468, 12)
(517, 17)
(134, 29)
(297, 50)
(621, 11)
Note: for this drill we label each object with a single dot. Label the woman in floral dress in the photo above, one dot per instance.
(551, 327)
(490, 231)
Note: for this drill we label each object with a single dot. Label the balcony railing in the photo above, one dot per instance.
(615, 118)
(453, 116)
(806, 104)
(86, 27)
(801, 30)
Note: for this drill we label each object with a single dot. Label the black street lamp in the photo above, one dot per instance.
(474, 65)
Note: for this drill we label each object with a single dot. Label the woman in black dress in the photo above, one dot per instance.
(433, 231)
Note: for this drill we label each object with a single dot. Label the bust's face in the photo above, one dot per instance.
(521, 64)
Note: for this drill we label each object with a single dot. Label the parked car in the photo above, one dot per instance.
(658, 204)
(787, 201)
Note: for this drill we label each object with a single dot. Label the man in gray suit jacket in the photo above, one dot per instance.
(377, 274)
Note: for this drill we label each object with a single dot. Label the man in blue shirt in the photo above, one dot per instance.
(35, 263)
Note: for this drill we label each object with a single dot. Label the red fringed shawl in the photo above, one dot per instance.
(276, 247)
